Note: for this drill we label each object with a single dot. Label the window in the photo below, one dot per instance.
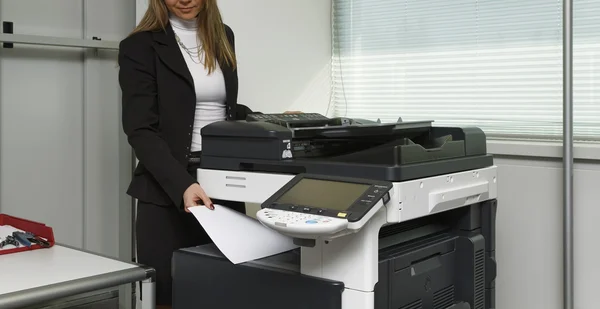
(487, 63)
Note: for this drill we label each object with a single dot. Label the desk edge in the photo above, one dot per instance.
(69, 288)
(97, 254)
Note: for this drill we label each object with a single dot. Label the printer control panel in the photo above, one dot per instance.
(286, 120)
(323, 205)
(300, 224)
(349, 201)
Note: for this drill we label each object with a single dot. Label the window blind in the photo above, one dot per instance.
(488, 63)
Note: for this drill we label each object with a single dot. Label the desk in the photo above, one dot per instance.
(34, 277)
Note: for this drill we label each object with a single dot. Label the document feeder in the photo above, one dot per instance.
(388, 151)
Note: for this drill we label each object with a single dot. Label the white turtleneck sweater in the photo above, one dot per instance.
(210, 89)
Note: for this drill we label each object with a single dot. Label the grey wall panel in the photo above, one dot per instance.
(529, 233)
(107, 209)
(101, 155)
(104, 147)
(63, 159)
(41, 123)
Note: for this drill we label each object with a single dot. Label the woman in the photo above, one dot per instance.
(177, 74)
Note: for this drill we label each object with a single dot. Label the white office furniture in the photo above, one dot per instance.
(39, 276)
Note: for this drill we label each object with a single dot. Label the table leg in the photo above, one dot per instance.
(148, 294)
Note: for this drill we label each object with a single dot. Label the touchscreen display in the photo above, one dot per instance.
(323, 194)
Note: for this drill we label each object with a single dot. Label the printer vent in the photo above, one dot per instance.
(417, 304)
(479, 280)
(444, 298)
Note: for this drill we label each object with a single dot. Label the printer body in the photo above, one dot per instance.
(385, 215)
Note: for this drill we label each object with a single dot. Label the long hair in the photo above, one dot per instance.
(211, 31)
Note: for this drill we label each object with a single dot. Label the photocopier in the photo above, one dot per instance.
(397, 215)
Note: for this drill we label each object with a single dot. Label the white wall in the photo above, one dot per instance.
(529, 235)
(284, 52)
(62, 153)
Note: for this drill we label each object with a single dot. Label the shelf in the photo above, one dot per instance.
(57, 41)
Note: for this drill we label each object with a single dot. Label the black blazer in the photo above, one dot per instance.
(158, 105)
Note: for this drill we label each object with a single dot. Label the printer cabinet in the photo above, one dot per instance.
(204, 278)
(442, 261)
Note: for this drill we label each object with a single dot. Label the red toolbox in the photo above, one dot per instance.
(38, 229)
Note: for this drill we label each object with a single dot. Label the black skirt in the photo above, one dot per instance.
(161, 230)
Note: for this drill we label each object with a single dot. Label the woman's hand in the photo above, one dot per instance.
(193, 195)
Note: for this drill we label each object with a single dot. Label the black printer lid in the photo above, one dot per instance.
(261, 129)
(383, 151)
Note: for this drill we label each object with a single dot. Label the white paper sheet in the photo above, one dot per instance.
(239, 237)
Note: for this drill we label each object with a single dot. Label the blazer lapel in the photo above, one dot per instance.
(168, 51)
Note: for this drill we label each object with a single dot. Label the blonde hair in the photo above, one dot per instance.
(211, 31)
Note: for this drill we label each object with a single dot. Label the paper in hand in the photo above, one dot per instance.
(239, 237)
